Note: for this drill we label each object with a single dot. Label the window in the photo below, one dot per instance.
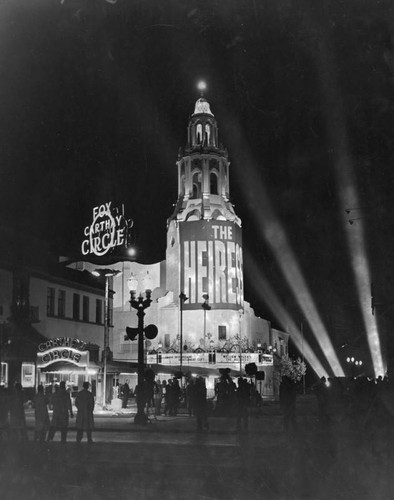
(214, 183)
(207, 133)
(76, 306)
(99, 311)
(222, 332)
(28, 374)
(50, 301)
(85, 308)
(167, 342)
(205, 284)
(4, 374)
(199, 133)
(61, 304)
(196, 185)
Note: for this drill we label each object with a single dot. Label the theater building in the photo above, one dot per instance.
(214, 327)
(51, 318)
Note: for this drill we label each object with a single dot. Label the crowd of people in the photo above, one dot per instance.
(13, 419)
(165, 397)
(362, 403)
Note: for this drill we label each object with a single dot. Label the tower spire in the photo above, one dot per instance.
(203, 170)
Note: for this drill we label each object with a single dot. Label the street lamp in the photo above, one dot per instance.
(205, 305)
(159, 347)
(259, 351)
(353, 362)
(140, 303)
(183, 299)
(107, 274)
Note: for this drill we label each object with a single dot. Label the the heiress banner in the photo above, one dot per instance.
(211, 262)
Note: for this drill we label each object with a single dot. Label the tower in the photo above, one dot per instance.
(204, 235)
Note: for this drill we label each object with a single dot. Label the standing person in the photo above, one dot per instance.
(165, 396)
(157, 397)
(48, 394)
(85, 406)
(242, 404)
(170, 398)
(200, 404)
(287, 399)
(17, 414)
(176, 396)
(61, 402)
(190, 390)
(125, 393)
(41, 415)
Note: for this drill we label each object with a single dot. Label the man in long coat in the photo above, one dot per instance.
(287, 400)
(85, 405)
(41, 415)
(200, 404)
(62, 407)
(17, 414)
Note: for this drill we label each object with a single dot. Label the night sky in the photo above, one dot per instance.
(95, 98)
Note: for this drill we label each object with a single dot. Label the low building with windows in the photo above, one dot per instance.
(51, 318)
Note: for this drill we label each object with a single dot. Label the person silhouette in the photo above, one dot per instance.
(84, 402)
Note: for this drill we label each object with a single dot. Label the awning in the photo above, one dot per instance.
(64, 367)
(22, 341)
(121, 367)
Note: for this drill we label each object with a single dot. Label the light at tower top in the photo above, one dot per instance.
(202, 86)
(202, 105)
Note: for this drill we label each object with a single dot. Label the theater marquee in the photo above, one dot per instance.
(211, 262)
(62, 349)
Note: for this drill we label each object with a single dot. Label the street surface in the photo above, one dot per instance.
(169, 460)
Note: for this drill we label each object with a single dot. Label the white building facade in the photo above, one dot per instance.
(213, 326)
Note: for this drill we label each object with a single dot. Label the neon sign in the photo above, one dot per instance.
(211, 262)
(63, 354)
(62, 342)
(108, 230)
(62, 349)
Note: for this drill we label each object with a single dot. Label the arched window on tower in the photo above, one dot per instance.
(207, 134)
(213, 180)
(199, 133)
(182, 186)
(196, 185)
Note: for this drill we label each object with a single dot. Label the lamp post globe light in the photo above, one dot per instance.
(140, 303)
(107, 274)
(353, 364)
